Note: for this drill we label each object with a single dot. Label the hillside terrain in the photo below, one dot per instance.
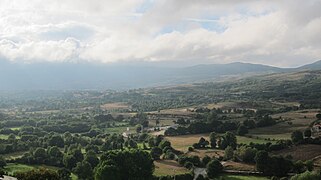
(75, 76)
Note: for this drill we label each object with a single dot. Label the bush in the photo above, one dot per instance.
(214, 168)
(307, 176)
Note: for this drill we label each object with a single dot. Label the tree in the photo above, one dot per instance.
(107, 170)
(242, 130)
(318, 116)
(213, 138)
(228, 153)
(38, 174)
(206, 159)
(214, 168)
(69, 161)
(40, 155)
(56, 140)
(246, 154)
(92, 158)
(83, 170)
(307, 133)
(156, 152)
(297, 136)
(307, 176)
(261, 160)
(228, 139)
(133, 163)
(202, 143)
(64, 174)
(3, 162)
(164, 144)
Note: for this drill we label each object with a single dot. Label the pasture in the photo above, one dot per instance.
(168, 167)
(301, 152)
(184, 141)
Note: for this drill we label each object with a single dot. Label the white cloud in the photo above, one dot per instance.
(285, 33)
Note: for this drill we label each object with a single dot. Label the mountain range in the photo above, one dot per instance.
(72, 76)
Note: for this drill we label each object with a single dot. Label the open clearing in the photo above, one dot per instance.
(168, 167)
(184, 141)
(206, 152)
(114, 106)
(13, 168)
(295, 120)
(231, 165)
(301, 152)
(239, 177)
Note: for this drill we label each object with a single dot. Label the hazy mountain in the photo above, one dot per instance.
(314, 66)
(60, 76)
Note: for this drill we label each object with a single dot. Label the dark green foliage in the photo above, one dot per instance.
(38, 174)
(307, 176)
(246, 154)
(206, 159)
(123, 165)
(164, 144)
(228, 153)
(228, 139)
(275, 165)
(3, 162)
(64, 174)
(91, 158)
(156, 152)
(214, 168)
(83, 170)
(56, 140)
(297, 136)
(307, 133)
(242, 130)
(213, 139)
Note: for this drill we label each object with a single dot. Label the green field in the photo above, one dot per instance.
(13, 168)
(3, 136)
(239, 177)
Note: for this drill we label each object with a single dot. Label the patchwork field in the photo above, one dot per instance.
(183, 142)
(295, 120)
(301, 152)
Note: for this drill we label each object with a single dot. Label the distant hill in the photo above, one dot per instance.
(70, 76)
(313, 66)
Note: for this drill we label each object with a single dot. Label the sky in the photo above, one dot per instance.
(285, 33)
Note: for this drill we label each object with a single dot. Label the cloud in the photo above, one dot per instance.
(282, 33)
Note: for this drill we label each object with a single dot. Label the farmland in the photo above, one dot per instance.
(178, 127)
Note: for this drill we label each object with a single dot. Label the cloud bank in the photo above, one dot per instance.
(282, 33)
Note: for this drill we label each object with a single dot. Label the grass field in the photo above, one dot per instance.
(3, 136)
(14, 155)
(231, 165)
(119, 130)
(13, 168)
(183, 142)
(114, 106)
(163, 122)
(206, 152)
(168, 167)
(239, 177)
